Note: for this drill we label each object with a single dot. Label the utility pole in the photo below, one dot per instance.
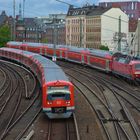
(54, 36)
(81, 33)
(14, 26)
(119, 35)
(138, 54)
(11, 26)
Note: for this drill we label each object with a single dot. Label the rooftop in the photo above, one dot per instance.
(87, 10)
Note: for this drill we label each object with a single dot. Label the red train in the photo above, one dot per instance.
(123, 65)
(57, 90)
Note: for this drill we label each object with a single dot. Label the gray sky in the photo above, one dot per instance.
(34, 8)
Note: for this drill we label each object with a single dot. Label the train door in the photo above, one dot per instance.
(40, 50)
(45, 51)
(127, 69)
(60, 53)
(82, 58)
(107, 65)
(66, 55)
(88, 59)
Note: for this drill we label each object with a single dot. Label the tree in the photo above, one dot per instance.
(4, 35)
(44, 40)
(102, 47)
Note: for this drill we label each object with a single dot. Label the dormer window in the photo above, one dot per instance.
(82, 12)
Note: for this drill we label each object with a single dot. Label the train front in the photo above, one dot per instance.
(58, 101)
(136, 70)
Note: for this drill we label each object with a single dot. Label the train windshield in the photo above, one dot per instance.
(58, 93)
(137, 66)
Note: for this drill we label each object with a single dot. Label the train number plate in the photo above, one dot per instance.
(59, 110)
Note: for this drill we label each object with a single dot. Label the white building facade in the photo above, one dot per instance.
(135, 43)
(110, 28)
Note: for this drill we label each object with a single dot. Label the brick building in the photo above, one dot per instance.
(60, 33)
(54, 25)
(27, 30)
(4, 19)
(131, 8)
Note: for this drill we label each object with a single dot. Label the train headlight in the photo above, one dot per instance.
(67, 102)
(49, 103)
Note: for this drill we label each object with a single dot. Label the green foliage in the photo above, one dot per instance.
(4, 35)
(44, 40)
(103, 47)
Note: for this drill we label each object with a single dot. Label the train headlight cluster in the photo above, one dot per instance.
(49, 103)
(68, 102)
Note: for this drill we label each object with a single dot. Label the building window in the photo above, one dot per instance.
(136, 5)
(132, 6)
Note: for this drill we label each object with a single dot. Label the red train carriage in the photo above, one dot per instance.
(78, 55)
(100, 59)
(57, 90)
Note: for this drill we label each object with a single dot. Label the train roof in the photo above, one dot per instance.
(35, 44)
(100, 53)
(27, 43)
(20, 51)
(76, 49)
(52, 72)
(14, 43)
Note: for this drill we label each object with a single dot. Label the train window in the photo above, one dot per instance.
(67, 96)
(115, 58)
(49, 97)
(137, 66)
(121, 60)
(58, 87)
(59, 96)
(58, 93)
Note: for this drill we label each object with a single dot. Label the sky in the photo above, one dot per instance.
(42, 8)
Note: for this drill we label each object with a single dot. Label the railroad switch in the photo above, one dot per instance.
(113, 120)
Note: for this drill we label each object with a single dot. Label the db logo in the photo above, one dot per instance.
(58, 102)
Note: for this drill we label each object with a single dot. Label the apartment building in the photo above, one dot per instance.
(92, 26)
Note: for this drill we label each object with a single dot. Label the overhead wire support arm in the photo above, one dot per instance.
(66, 3)
(63, 2)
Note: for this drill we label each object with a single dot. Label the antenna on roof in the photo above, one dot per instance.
(23, 7)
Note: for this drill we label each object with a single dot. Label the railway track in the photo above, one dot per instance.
(15, 122)
(3, 78)
(130, 95)
(52, 129)
(115, 121)
(123, 124)
(63, 129)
